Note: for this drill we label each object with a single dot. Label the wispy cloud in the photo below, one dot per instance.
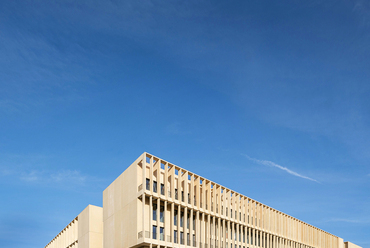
(65, 176)
(176, 128)
(357, 221)
(41, 177)
(270, 163)
(362, 8)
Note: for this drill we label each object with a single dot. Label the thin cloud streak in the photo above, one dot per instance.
(44, 177)
(270, 163)
(66, 176)
(348, 220)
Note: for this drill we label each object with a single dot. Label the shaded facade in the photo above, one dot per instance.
(156, 203)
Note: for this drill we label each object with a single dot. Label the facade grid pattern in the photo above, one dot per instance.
(220, 217)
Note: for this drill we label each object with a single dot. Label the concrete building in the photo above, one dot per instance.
(154, 203)
(86, 230)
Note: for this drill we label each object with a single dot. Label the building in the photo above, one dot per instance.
(154, 203)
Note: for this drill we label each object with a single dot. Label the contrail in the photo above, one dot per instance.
(270, 163)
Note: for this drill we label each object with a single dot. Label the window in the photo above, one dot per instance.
(175, 236)
(231, 213)
(161, 233)
(182, 219)
(154, 211)
(147, 184)
(161, 214)
(182, 238)
(176, 195)
(188, 239)
(154, 232)
(162, 189)
(175, 218)
(182, 195)
(193, 222)
(154, 186)
(226, 212)
(188, 221)
(194, 244)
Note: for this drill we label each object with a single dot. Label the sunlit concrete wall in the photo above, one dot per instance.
(85, 231)
(120, 210)
(350, 245)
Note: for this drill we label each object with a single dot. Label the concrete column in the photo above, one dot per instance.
(158, 213)
(151, 175)
(166, 224)
(150, 217)
(172, 229)
(197, 229)
(224, 233)
(219, 229)
(178, 223)
(209, 226)
(143, 212)
(203, 231)
(186, 230)
(191, 227)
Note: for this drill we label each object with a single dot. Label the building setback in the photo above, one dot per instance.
(154, 203)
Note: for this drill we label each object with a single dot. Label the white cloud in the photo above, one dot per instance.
(270, 163)
(348, 220)
(32, 176)
(58, 177)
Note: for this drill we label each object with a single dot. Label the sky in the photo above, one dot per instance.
(268, 98)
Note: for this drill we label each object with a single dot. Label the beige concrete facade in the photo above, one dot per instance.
(86, 231)
(156, 203)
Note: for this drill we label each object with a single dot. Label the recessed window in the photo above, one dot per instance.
(147, 184)
(182, 219)
(175, 218)
(162, 189)
(182, 238)
(154, 232)
(154, 211)
(161, 214)
(175, 236)
(161, 233)
(155, 186)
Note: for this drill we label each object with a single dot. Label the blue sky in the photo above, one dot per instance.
(272, 97)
